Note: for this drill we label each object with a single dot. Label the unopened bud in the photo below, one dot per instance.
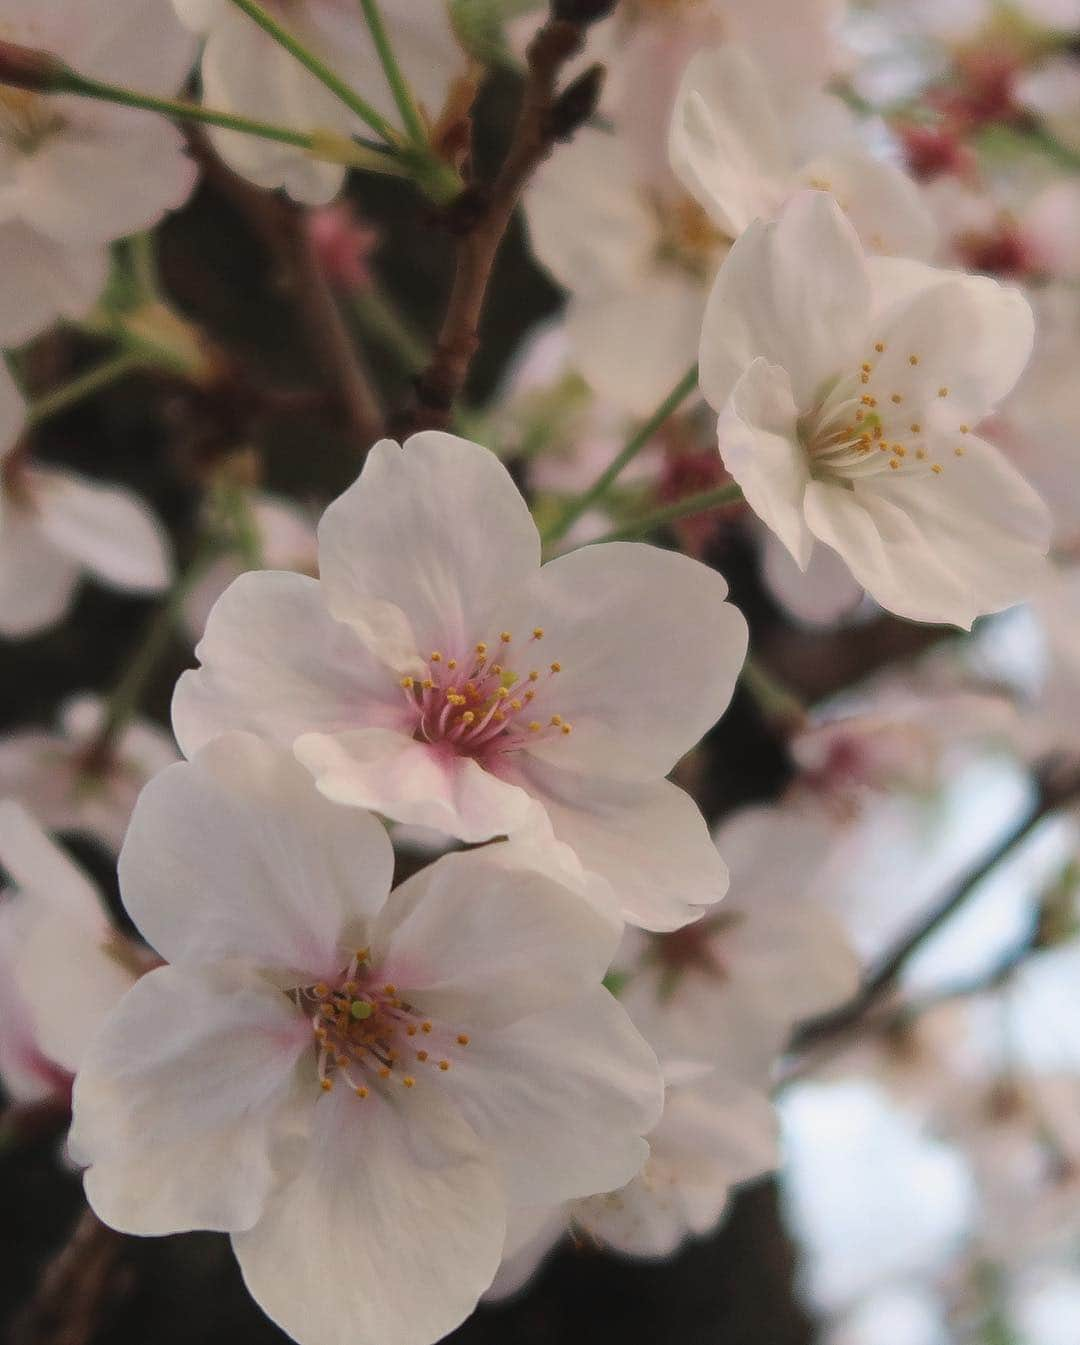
(582, 11)
(27, 68)
(576, 104)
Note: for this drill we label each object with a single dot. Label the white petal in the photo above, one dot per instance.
(37, 582)
(276, 663)
(563, 1097)
(882, 202)
(483, 945)
(647, 840)
(389, 1234)
(621, 620)
(178, 1098)
(44, 281)
(726, 144)
(822, 595)
(768, 302)
(12, 412)
(236, 854)
(141, 43)
(436, 530)
(759, 443)
(35, 864)
(413, 782)
(106, 529)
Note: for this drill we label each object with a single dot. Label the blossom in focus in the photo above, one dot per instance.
(355, 1085)
(55, 773)
(849, 394)
(77, 173)
(245, 71)
(56, 526)
(437, 675)
(54, 930)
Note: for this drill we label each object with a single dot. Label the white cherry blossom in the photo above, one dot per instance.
(436, 674)
(54, 773)
(56, 526)
(75, 174)
(245, 71)
(355, 1085)
(849, 393)
(53, 929)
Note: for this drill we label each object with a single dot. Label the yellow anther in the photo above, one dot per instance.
(864, 378)
(920, 453)
(421, 1056)
(444, 1065)
(896, 397)
(534, 676)
(915, 427)
(468, 717)
(322, 989)
(361, 954)
(326, 1084)
(879, 346)
(499, 716)
(958, 451)
(894, 463)
(425, 1027)
(555, 721)
(535, 726)
(409, 1081)
(407, 683)
(866, 368)
(936, 468)
(538, 632)
(343, 1060)
(556, 666)
(943, 392)
(567, 729)
(410, 1031)
(361, 1091)
(497, 668)
(965, 429)
(481, 648)
(530, 695)
(899, 450)
(505, 636)
(451, 663)
(428, 684)
(515, 704)
(502, 694)
(384, 1073)
(435, 657)
(913, 360)
(463, 1039)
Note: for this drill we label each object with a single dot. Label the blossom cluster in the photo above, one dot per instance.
(453, 924)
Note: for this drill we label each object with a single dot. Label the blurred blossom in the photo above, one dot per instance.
(245, 71)
(344, 244)
(79, 174)
(59, 777)
(900, 1314)
(56, 526)
(53, 931)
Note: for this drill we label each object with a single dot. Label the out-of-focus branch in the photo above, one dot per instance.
(75, 1289)
(281, 228)
(1058, 785)
(483, 213)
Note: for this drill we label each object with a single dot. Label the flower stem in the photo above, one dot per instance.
(319, 69)
(96, 380)
(776, 702)
(399, 87)
(634, 445)
(692, 504)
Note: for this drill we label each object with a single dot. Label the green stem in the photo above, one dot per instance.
(319, 69)
(776, 701)
(381, 321)
(127, 695)
(399, 87)
(671, 513)
(606, 479)
(53, 403)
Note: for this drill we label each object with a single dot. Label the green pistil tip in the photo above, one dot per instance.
(360, 1008)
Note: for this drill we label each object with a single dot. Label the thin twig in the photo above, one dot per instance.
(1058, 784)
(485, 213)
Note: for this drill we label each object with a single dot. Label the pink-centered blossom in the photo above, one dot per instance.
(438, 675)
(357, 1084)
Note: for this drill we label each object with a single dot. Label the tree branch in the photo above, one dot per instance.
(75, 1289)
(483, 214)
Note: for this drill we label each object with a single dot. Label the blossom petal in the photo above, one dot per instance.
(389, 1233)
(882, 202)
(417, 783)
(178, 1098)
(275, 663)
(768, 302)
(37, 582)
(759, 444)
(563, 1097)
(726, 143)
(44, 281)
(421, 551)
(106, 529)
(624, 621)
(236, 854)
(646, 839)
(476, 944)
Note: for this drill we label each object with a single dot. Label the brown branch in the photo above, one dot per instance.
(482, 215)
(281, 227)
(1058, 785)
(76, 1288)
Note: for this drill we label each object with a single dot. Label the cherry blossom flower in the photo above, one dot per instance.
(55, 774)
(245, 71)
(849, 392)
(437, 675)
(56, 525)
(78, 174)
(741, 159)
(53, 929)
(355, 1085)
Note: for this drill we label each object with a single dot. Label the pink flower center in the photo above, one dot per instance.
(481, 706)
(368, 1036)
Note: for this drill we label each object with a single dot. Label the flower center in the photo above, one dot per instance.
(26, 119)
(688, 237)
(479, 705)
(868, 425)
(367, 1036)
